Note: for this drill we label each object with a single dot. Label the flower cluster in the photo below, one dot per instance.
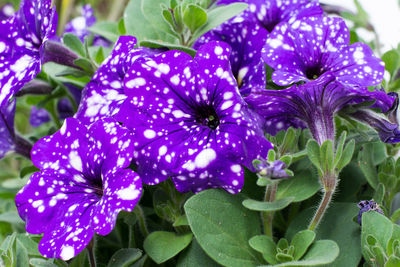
(148, 115)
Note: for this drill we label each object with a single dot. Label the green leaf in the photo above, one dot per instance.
(313, 152)
(266, 246)
(217, 16)
(11, 217)
(301, 186)
(28, 170)
(367, 166)
(382, 234)
(347, 155)
(36, 262)
(181, 221)
(217, 220)
(121, 27)
(138, 25)
(74, 43)
(194, 17)
(392, 61)
(22, 258)
(393, 261)
(108, 30)
(256, 205)
(395, 216)
(125, 257)
(162, 246)
(301, 242)
(320, 253)
(326, 155)
(158, 44)
(152, 11)
(379, 193)
(337, 225)
(30, 245)
(85, 64)
(340, 146)
(195, 256)
(394, 240)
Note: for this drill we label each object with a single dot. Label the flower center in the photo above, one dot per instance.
(207, 116)
(270, 26)
(313, 73)
(97, 186)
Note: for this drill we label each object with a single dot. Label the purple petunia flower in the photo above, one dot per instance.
(367, 205)
(313, 105)
(79, 26)
(104, 94)
(312, 47)
(6, 11)
(22, 40)
(269, 13)
(246, 40)
(82, 186)
(189, 120)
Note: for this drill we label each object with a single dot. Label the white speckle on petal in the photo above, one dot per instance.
(205, 157)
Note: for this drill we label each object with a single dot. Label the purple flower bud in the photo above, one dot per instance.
(367, 205)
(274, 170)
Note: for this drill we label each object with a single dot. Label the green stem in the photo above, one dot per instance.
(132, 243)
(330, 183)
(142, 220)
(268, 216)
(90, 248)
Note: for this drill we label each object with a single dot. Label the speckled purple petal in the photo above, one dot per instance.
(305, 105)
(309, 48)
(189, 120)
(82, 186)
(103, 95)
(21, 37)
(7, 113)
(246, 40)
(6, 11)
(270, 13)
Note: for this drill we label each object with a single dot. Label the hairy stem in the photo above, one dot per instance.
(330, 183)
(142, 220)
(268, 216)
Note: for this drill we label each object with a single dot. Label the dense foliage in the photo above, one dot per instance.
(196, 133)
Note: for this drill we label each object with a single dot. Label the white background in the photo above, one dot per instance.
(384, 15)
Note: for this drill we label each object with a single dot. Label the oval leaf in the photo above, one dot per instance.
(125, 257)
(162, 246)
(256, 205)
(217, 220)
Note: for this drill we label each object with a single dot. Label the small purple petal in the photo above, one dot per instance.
(367, 205)
(312, 47)
(104, 94)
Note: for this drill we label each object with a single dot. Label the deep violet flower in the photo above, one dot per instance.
(6, 11)
(246, 40)
(269, 13)
(38, 116)
(189, 120)
(79, 26)
(367, 205)
(104, 94)
(314, 105)
(82, 186)
(312, 47)
(22, 41)
(274, 170)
